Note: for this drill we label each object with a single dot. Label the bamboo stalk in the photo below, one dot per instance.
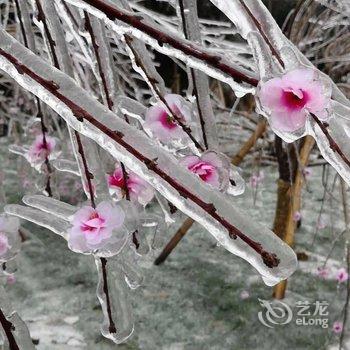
(293, 197)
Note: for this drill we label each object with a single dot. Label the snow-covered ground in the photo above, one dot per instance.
(194, 300)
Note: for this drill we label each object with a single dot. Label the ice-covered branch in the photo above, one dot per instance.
(29, 42)
(200, 84)
(140, 48)
(58, 49)
(258, 245)
(257, 26)
(192, 54)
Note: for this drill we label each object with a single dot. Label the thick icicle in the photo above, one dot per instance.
(16, 334)
(118, 321)
(49, 221)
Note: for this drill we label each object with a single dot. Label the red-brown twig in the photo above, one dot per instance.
(194, 80)
(262, 33)
(111, 328)
(8, 329)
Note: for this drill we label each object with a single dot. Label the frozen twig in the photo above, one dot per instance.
(217, 62)
(191, 28)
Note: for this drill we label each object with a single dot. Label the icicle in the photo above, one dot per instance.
(67, 166)
(16, 335)
(118, 321)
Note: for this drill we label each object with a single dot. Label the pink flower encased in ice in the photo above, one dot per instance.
(307, 172)
(11, 279)
(92, 228)
(337, 327)
(9, 237)
(209, 167)
(322, 272)
(342, 275)
(244, 294)
(39, 150)
(256, 179)
(291, 97)
(321, 222)
(4, 244)
(161, 124)
(297, 216)
(139, 190)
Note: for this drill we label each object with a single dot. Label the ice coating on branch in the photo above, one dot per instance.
(96, 229)
(118, 322)
(66, 165)
(290, 98)
(9, 237)
(199, 82)
(165, 161)
(160, 122)
(50, 205)
(49, 221)
(138, 189)
(210, 167)
(65, 64)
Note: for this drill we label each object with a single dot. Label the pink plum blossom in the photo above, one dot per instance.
(9, 237)
(307, 172)
(256, 179)
(342, 275)
(291, 97)
(40, 150)
(11, 279)
(337, 327)
(161, 124)
(322, 272)
(321, 223)
(4, 244)
(139, 190)
(244, 294)
(210, 167)
(93, 228)
(296, 216)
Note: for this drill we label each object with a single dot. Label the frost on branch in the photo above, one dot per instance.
(256, 244)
